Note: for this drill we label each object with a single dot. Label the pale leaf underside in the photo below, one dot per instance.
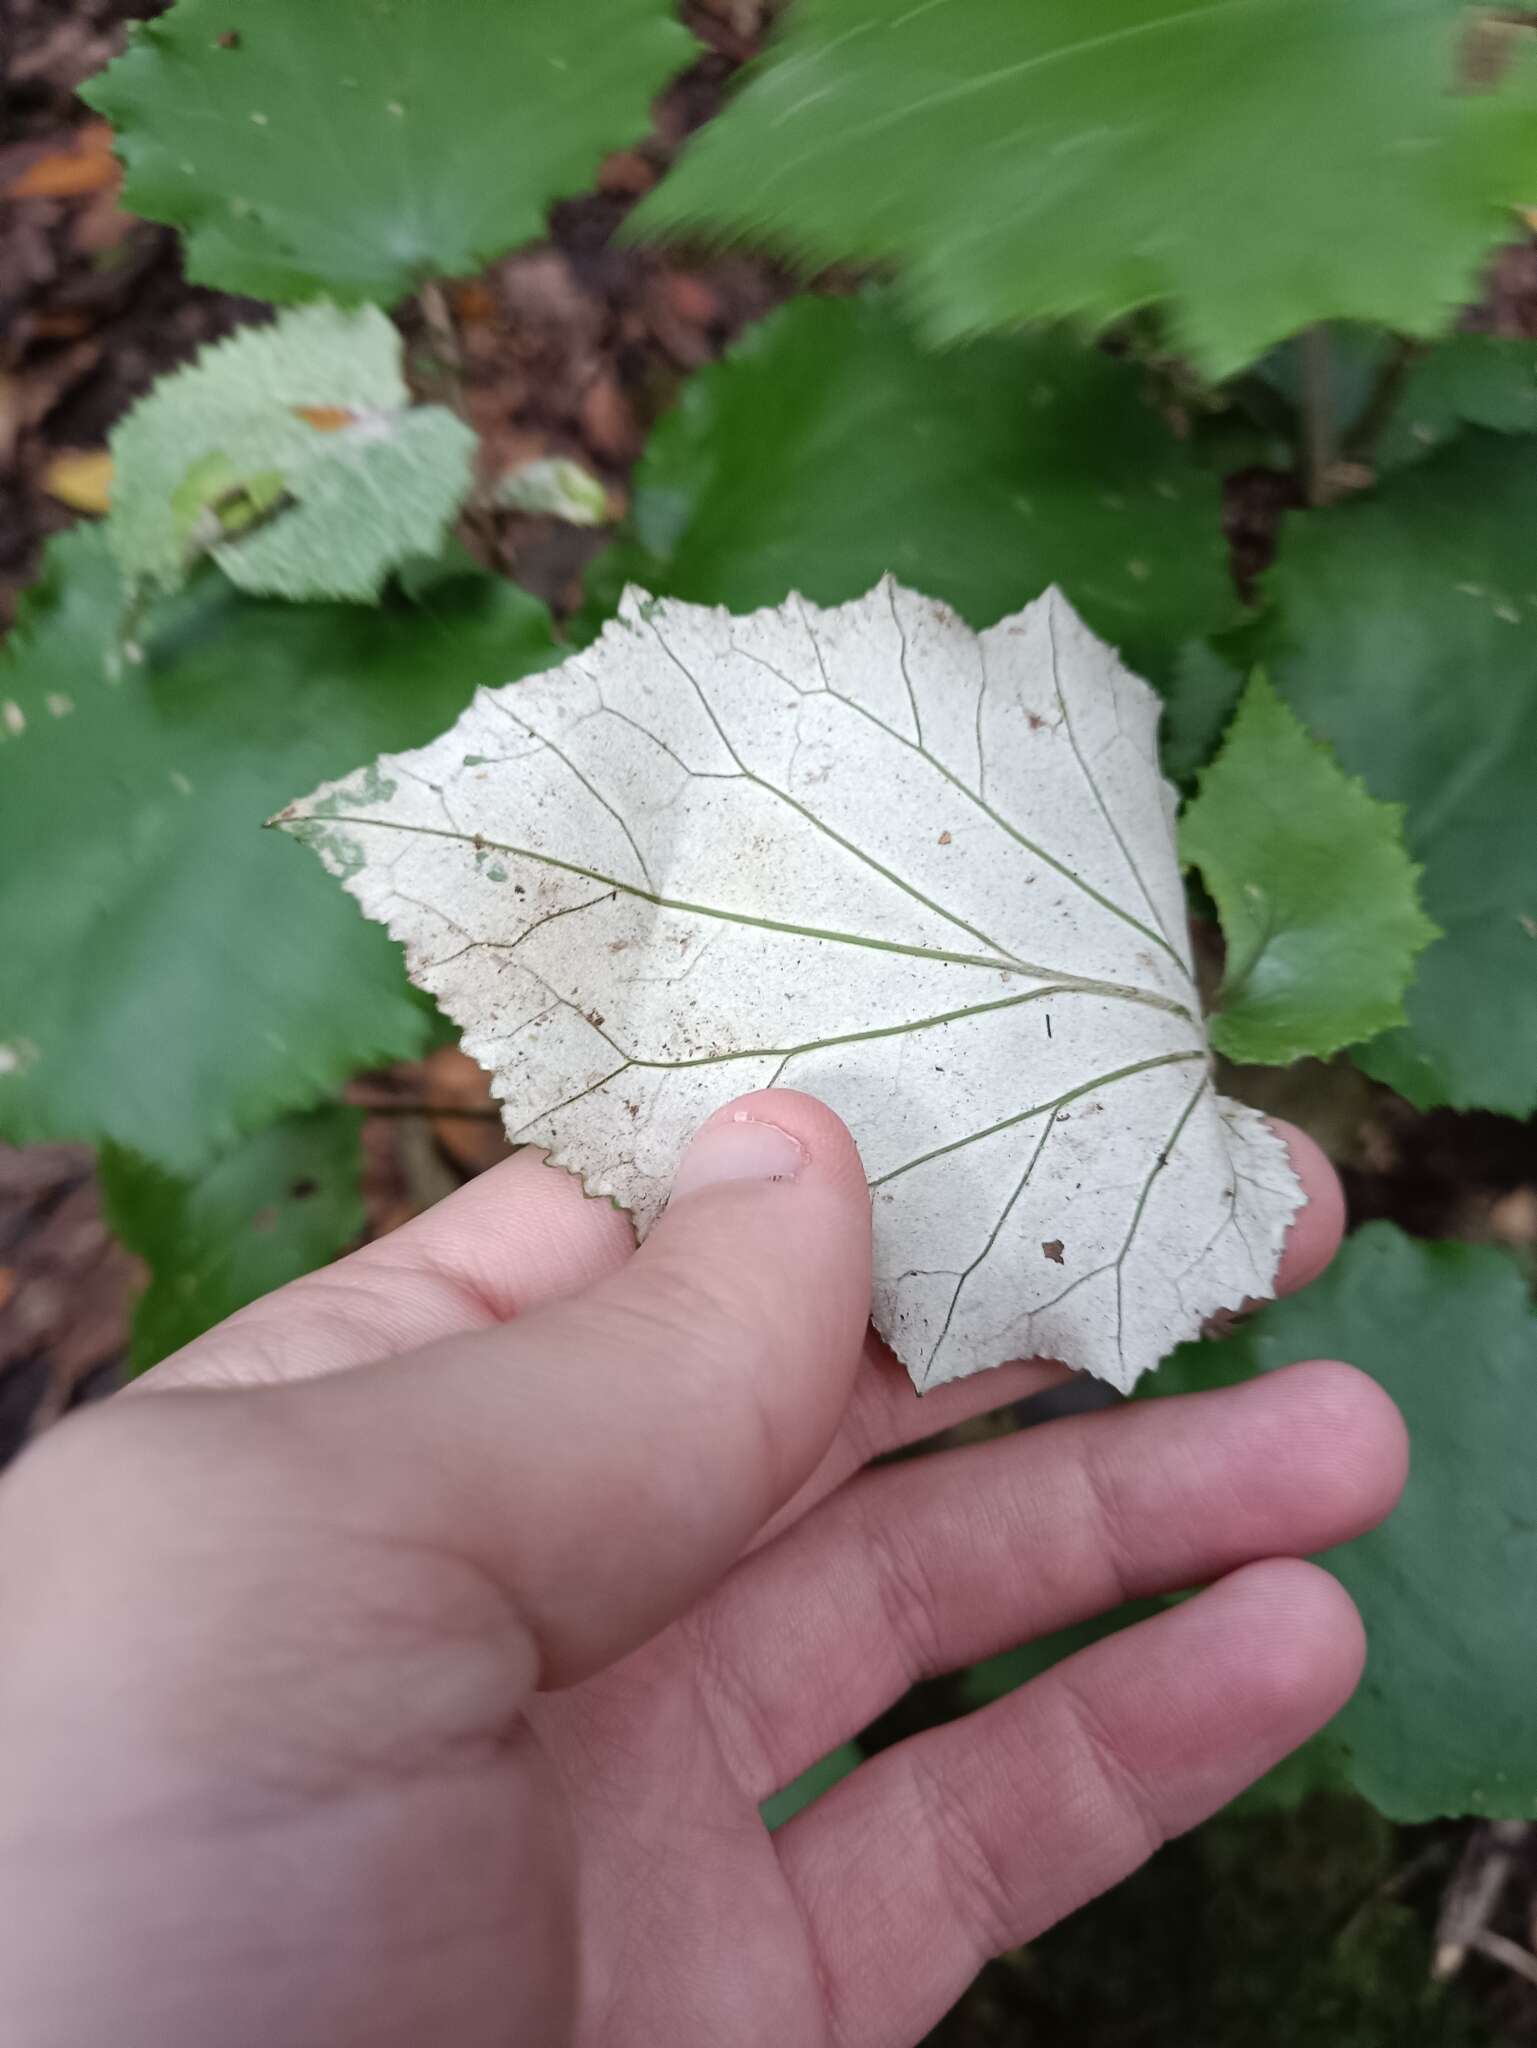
(924, 873)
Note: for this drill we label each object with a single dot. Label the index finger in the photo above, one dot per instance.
(521, 1235)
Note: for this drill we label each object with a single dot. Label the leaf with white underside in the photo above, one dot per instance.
(924, 873)
(293, 455)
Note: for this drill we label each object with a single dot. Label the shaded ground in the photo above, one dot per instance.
(1314, 1929)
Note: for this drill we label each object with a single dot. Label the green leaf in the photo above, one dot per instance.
(821, 1777)
(1312, 883)
(1443, 1722)
(830, 447)
(1480, 380)
(1257, 166)
(291, 454)
(357, 147)
(173, 974)
(1404, 633)
(277, 1204)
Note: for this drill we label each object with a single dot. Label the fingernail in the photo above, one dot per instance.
(736, 1146)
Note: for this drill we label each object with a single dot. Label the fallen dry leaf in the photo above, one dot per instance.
(88, 165)
(82, 479)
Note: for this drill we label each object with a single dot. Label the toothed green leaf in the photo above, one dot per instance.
(1315, 891)
(355, 148)
(291, 454)
(1255, 165)
(173, 974)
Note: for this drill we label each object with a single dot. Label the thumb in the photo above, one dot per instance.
(605, 1460)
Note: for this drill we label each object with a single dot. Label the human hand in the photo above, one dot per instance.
(406, 1660)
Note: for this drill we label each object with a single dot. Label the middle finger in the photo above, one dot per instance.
(925, 1566)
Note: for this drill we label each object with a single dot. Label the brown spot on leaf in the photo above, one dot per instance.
(1052, 1247)
(944, 839)
(326, 419)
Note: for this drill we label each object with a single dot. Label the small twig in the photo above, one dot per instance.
(1318, 450)
(1474, 1894)
(1500, 1949)
(445, 340)
(1382, 400)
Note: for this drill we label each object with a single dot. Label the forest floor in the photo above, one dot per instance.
(574, 347)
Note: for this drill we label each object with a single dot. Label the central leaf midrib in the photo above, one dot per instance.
(631, 1062)
(1074, 983)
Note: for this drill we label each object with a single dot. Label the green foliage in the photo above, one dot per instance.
(275, 1205)
(175, 976)
(1315, 891)
(830, 447)
(1405, 633)
(293, 456)
(1442, 1723)
(352, 148)
(1479, 380)
(1392, 403)
(1256, 167)
(811, 1784)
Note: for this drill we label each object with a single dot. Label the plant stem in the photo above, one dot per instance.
(445, 341)
(1382, 400)
(1318, 449)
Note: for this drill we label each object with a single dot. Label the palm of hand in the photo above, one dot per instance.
(710, 1593)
